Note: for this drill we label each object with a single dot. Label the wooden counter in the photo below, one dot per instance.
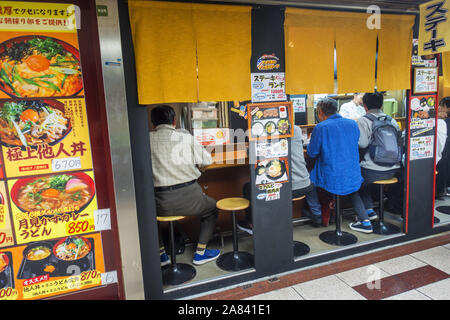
(228, 156)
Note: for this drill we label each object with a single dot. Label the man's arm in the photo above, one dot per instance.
(315, 144)
(364, 126)
(202, 158)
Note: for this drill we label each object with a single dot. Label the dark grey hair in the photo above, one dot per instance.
(328, 106)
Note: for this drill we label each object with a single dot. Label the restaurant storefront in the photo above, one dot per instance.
(296, 56)
(239, 77)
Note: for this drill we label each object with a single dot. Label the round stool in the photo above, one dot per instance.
(338, 237)
(175, 273)
(300, 248)
(235, 260)
(379, 226)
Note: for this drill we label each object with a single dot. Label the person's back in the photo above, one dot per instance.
(334, 143)
(300, 174)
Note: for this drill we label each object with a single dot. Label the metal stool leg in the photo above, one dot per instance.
(379, 226)
(235, 260)
(338, 237)
(176, 273)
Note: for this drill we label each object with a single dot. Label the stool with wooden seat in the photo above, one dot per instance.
(338, 237)
(379, 226)
(300, 248)
(175, 273)
(235, 260)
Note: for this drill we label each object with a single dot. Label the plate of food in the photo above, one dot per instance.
(72, 248)
(53, 192)
(283, 126)
(270, 128)
(39, 66)
(257, 129)
(260, 169)
(30, 123)
(275, 169)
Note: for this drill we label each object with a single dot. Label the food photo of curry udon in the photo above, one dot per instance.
(38, 253)
(53, 192)
(38, 66)
(72, 248)
(30, 123)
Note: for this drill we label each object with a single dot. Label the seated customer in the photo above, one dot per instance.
(442, 148)
(176, 156)
(334, 146)
(301, 185)
(371, 171)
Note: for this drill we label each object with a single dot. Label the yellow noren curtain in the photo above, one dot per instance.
(165, 51)
(224, 51)
(355, 53)
(446, 68)
(394, 52)
(189, 52)
(309, 52)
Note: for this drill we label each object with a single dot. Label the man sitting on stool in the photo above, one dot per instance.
(176, 156)
(334, 145)
(371, 171)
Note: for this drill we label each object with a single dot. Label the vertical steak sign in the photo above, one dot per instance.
(434, 33)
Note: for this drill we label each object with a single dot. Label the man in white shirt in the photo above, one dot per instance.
(353, 109)
(176, 158)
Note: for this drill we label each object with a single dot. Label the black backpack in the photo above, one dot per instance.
(385, 147)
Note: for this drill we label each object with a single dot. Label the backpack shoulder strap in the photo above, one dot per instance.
(370, 116)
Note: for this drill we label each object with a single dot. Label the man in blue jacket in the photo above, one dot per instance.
(334, 146)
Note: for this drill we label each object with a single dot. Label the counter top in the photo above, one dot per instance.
(231, 155)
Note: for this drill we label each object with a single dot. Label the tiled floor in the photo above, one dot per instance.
(419, 270)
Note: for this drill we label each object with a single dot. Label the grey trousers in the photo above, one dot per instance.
(189, 201)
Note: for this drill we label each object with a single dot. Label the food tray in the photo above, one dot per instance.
(61, 267)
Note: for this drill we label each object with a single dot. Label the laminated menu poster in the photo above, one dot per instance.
(425, 80)
(44, 136)
(270, 120)
(274, 170)
(268, 87)
(47, 268)
(422, 126)
(51, 206)
(48, 203)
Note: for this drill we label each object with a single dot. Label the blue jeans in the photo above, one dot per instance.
(312, 199)
(362, 199)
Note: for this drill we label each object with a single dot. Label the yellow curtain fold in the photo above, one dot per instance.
(394, 52)
(309, 51)
(224, 51)
(355, 53)
(165, 51)
(446, 68)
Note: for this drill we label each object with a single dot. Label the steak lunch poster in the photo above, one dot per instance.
(50, 243)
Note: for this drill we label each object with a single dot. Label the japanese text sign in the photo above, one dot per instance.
(434, 32)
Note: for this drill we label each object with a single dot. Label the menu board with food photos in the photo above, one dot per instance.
(270, 120)
(47, 189)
